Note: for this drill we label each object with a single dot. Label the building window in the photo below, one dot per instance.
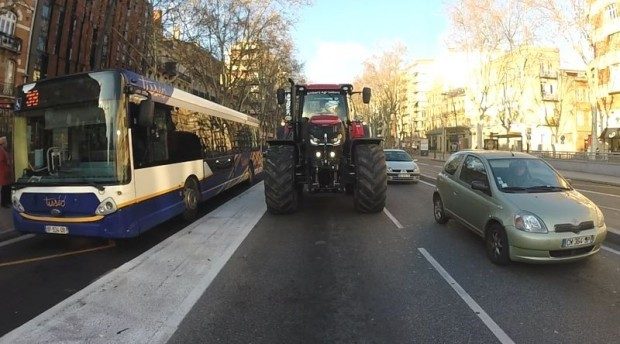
(7, 23)
(612, 12)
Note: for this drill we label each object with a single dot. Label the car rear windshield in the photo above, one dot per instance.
(526, 175)
(397, 156)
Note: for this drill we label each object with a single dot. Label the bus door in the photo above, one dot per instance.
(220, 156)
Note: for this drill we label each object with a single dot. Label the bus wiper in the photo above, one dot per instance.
(93, 184)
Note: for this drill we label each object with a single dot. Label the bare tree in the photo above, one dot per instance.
(387, 76)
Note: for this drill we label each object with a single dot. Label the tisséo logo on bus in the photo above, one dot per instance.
(55, 202)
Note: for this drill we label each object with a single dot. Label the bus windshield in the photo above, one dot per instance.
(69, 132)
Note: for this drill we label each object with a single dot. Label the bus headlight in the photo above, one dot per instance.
(107, 206)
(17, 205)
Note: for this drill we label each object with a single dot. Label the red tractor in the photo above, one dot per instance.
(321, 147)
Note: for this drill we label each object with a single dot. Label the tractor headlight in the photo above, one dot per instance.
(337, 140)
(314, 141)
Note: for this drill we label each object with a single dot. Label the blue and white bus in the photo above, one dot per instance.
(112, 154)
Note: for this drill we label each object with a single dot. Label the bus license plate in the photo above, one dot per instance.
(578, 241)
(56, 230)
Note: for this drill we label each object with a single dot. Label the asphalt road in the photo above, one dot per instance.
(607, 197)
(328, 274)
(37, 272)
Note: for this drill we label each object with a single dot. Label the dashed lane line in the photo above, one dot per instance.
(427, 183)
(18, 239)
(394, 219)
(473, 305)
(609, 249)
(59, 255)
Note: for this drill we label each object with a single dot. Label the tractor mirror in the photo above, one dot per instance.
(146, 113)
(281, 96)
(366, 95)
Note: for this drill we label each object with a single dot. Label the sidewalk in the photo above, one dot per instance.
(6, 220)
(573, 175)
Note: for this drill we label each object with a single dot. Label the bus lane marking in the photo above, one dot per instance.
(473, 305)
(18, 239)
(59, 255)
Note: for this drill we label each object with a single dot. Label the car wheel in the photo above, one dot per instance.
(497, 245)
(438, 210)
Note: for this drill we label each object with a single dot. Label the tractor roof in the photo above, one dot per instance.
(325, 87)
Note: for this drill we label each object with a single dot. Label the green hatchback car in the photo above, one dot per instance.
(523, 208)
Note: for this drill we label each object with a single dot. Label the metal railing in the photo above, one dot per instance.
(613, 157)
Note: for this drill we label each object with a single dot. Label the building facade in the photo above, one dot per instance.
(16, 19)
(71, 36)
(604, 18)
(422, 77)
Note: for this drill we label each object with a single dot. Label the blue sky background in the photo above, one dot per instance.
(334, 37)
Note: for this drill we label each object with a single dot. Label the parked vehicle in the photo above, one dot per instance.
(521, 206)
(400, 166)
(322, 148)
(112, 154)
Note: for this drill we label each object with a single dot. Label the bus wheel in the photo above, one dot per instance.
(191, 198)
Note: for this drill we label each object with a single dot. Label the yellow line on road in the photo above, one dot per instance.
(30, 260)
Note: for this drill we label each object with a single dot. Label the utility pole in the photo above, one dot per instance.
(104, 32)
(594, 113)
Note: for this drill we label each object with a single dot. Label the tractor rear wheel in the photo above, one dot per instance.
(371, 178)
(281, 193)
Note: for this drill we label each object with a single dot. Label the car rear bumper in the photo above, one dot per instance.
(547, 248)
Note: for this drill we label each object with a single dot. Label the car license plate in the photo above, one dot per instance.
(56, 230)
(403, 175)
(578, 241)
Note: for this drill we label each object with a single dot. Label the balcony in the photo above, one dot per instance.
(7, 89)
(11, 43)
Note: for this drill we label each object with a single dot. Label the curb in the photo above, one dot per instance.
(612, 236)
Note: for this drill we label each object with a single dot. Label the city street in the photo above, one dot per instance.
(329, 274)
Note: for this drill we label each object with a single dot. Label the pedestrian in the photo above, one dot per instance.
(5, 174)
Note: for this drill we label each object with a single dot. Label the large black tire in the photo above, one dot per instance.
(281, 194)
(191, 199)
(496, 242)
(371, 178)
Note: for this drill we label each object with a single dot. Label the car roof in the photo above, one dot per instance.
(496, 154)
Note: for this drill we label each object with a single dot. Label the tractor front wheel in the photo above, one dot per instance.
(371, 178)
(281, 193)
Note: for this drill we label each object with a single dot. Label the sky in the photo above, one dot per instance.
(334, 37)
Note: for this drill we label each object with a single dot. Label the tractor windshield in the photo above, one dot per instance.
(325, 103)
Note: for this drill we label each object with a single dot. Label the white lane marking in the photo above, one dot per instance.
(613, 230)
(422, 163)
(395, 220)
(18, 239)
(145, 299)
(610, 249)
(608, 208)
(598, 193)
(427, 183)
(473, 305)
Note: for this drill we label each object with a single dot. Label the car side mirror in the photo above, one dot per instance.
(481, 186)
(281, 96)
